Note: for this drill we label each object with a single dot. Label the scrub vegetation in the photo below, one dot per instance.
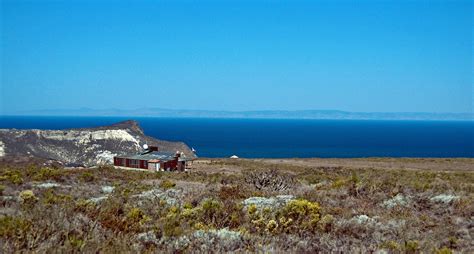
(236, 205)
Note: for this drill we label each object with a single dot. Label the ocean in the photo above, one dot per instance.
(272, 138)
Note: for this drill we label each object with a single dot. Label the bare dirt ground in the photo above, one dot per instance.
(465, 164)
(435, 164)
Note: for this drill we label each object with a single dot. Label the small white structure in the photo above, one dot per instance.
(234, 157)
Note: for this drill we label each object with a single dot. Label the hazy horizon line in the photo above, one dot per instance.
(326, 114)
(22, 112)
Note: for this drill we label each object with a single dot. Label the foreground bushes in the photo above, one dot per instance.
(148, 212)
(298, 216)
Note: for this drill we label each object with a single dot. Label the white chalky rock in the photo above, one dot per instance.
(98, 199)
(444, 198)
(107, 189)
(47, 185)
(363, 219)
(272, 202)
(2, 149)
(398, 200)
(105, 157)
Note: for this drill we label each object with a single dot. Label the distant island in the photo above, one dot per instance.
(266, 114)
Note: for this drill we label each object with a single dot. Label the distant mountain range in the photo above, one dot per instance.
(269, 114)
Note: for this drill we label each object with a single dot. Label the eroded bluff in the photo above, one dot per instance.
(85, 146)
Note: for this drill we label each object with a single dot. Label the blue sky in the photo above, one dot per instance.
(371, 56)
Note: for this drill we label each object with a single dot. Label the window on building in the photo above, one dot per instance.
(134, 163)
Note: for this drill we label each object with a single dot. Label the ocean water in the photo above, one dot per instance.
(271, 138)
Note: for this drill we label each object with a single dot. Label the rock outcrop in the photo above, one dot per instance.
(85, 146)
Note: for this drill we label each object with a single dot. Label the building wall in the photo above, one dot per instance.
(171, 164)
(125, 162)
(152, 166)
(119, 161)
(144, 164)
(181, 166)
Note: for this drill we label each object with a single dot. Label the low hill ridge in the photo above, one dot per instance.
(83, 146)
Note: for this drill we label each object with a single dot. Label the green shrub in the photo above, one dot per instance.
(83, 205)
(188, 205)
(106, 168)
(133, 220)
(210, 208)
(114, 214)
(354, 184)
(173, 222)
(51, 198)
(14, 177)
(412, 246)
(297, 216)
(172, 228)
(218, 214)
(339, 183)
(130, 188)
(390, 245)
(27, 196)
(444, 250)
(136, 215)
(302, 213)
(47, 174)
(75, 242)
(252, 210)
(453, 241)
(167, 184)
(2, 188)
(87, 177)
(13, 226)
(272, 226)
(326, 223)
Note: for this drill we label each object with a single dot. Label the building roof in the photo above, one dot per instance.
(154, 155)
(150, 156)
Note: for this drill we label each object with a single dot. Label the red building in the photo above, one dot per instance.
(153, 160)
